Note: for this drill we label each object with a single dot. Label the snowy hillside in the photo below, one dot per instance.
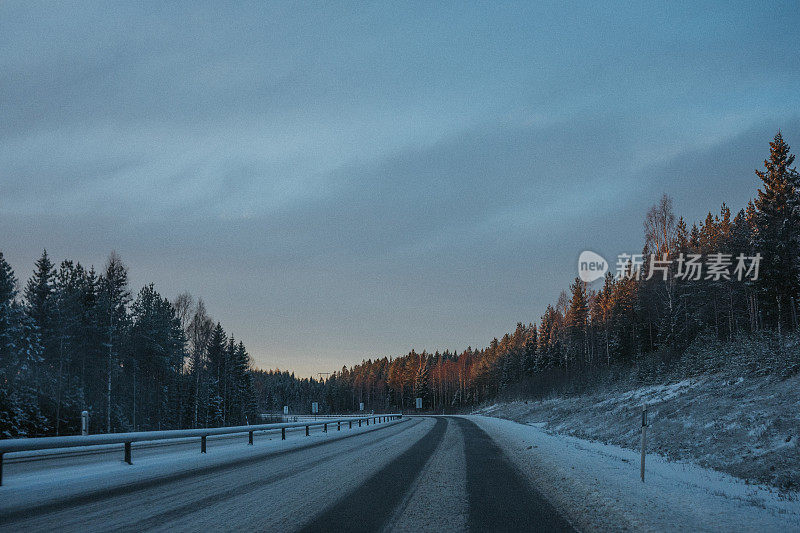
(738, 419)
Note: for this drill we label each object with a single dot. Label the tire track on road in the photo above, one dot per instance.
(20, 514)
(499, 497)
(372, 504)
(190, 507)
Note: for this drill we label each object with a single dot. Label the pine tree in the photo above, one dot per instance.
(68, 300)
(20, 354)
(8, 282)
(112, 304)
(241, 408)
(421, 378)
(681, 242)
(777, 223)
(577, 319)
(217, 367)
(38, 292)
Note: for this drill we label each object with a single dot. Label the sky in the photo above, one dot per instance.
(342, 181)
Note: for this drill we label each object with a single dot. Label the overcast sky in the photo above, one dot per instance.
(344, 181)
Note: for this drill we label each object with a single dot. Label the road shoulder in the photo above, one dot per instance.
(597, 486)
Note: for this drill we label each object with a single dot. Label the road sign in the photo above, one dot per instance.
(286, 409)
(419, 403)
(315, 407)
(361, 406)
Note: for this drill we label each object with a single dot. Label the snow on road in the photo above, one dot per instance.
(74, 497)
(419, 474)
(445, 476)
(415, 474)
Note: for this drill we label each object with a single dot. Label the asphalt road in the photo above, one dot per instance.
(422, 474)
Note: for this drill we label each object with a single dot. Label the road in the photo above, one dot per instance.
(420, 474)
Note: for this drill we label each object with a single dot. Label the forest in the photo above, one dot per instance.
(76, 340)
(628, 324)
(73, 339)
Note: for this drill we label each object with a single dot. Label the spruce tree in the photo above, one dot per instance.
(113, 300)
(217, 366)
(777, 223)
(577, 318)
(39, 290)
(20, 355)
(8, 282)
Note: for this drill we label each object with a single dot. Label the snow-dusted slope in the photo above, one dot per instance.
(597, 486)
(744, 425)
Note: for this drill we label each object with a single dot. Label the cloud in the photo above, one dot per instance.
(339, 181)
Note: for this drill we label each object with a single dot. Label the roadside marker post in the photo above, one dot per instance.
(644, 438)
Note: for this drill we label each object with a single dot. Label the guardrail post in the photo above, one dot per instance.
(128, 453)
(359, 422)
(283, 433)
(367, 421)
(306, 431)
(324, 428)
(250, 441)
(338, 426)
(351, 424)
(203, 444)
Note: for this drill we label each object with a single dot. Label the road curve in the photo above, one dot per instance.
(427, 473)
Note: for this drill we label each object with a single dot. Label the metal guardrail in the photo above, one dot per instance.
(49, 443)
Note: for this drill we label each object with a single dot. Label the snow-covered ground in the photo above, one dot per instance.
(745, 425)
(281, 485)
(597, 487)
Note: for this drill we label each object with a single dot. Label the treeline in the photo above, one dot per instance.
(628, 322)
(76, 340)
